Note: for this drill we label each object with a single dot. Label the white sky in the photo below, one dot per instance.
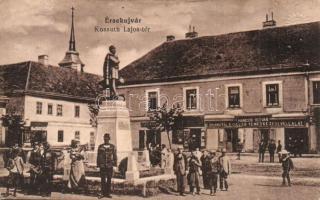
(33, 27)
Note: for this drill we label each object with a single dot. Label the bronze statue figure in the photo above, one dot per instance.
(111, 71)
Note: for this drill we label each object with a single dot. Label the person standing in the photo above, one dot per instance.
(194, 167)
(262, 149)
(239, 148)
(77, 177)
(106, 160)
(279, 148)
(15, 166)
(271, 148)
(205, 166)
(47, 168)
(35, 168)
(287, 166)
(301, 147)
(180, 170)
(225, 170)
(213, 172)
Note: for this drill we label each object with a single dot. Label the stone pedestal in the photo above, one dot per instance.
(132, 172)
(113, 118)
(146, 155)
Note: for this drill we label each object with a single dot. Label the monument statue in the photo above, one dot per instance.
(111, 72)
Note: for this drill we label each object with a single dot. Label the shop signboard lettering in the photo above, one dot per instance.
(258, 122)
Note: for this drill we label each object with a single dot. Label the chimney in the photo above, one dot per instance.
(43, 59)
(269, 23)
(191, 34)
(170, 38)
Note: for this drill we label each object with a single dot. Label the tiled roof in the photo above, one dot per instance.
(36, 78)
(270, 50)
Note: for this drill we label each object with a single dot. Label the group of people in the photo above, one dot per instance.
(41, 161)
(272, 148)
(210, 165)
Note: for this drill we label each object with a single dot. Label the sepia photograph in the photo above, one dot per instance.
(160, 99)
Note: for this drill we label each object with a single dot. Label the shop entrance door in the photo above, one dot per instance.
(296, 140)
(153, 137)
(39, 136)
(232, 139)
(196, 136)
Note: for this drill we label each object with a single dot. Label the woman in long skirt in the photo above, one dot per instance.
(77, 175)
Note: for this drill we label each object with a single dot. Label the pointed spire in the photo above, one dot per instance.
(72, 59)
(72, 41)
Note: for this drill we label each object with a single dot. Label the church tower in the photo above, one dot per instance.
(72, 59)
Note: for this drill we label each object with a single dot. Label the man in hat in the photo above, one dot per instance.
(180, 169)
(213, 173)
(225, 169)
(35, 168)
(287, 166)
(47, 169)
(110, 70)
(272, 148)
(205, 167)
(106, 160)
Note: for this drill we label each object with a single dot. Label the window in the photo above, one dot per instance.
(191, 99)
(77, 111)
(59, 110)
(39, 108)
(60, 136)
(152, 97)
(92, 140)
(77, 135)
(152, 100)
(234, 97)
(50, 109)
(272, 94)
(316, 92)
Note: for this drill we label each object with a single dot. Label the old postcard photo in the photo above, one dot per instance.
(160, 99)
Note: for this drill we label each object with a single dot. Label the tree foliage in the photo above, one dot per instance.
(165, 119)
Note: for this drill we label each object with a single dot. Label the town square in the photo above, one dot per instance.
(201, 100)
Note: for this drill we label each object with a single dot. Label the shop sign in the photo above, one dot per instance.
(38, 126)
(193, 121)
(148, 124)
(258, 122)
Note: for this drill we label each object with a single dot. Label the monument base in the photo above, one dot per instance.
(113, 118)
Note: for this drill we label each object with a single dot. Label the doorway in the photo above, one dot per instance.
(296, 140)
(232, 139)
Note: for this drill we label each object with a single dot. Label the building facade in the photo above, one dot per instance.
(247, 86)
(53, 104)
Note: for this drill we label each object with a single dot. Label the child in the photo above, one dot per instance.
(15, 166)
(287, 165)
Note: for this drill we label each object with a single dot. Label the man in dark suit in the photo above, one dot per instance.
(272, 147)
(106, 160)
(262, 149)
(180, 169)
(35, 168)
(47, 169)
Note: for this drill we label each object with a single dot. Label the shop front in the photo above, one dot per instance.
(194, 134)
(250, 130)
(36, 132)
(148, 136)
